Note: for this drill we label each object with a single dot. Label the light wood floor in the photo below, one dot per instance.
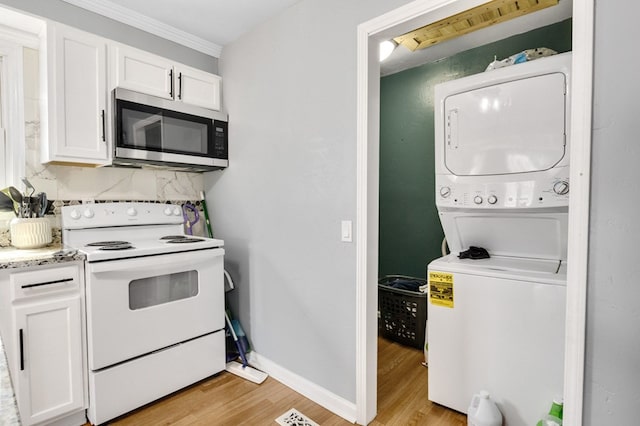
(229, 400)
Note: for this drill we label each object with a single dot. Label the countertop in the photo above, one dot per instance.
(13, 258)
(8, 408)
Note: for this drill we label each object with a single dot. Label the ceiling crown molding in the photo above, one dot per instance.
(150, 25)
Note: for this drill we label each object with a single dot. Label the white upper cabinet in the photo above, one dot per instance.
(76, 104)
(144, 72)
(197, 87)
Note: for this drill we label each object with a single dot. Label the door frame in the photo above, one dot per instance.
(369, 35)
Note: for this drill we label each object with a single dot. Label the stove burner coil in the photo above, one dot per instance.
(108, 243)
(184, 240)
(174, 237)
(125, 246)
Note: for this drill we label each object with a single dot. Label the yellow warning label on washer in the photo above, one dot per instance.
(441, 289)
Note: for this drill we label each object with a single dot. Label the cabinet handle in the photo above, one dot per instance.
(171, 83)
(180, 86)
(104, 127)
(63, 280)
(21, 351)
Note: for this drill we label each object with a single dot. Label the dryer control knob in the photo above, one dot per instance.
(492, 199)
(477, 199)
(561, 187)
(131, 211)
(445, 191)
(75, 214)
(88, 213)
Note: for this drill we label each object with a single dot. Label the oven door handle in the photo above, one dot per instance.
(182, 259)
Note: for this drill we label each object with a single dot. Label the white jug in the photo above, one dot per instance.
(483, 411)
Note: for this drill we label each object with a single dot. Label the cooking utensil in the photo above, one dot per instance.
(6, 203)
(43, 204)
(49, 208)
(29, 187)
(186, 208)
(15, 194)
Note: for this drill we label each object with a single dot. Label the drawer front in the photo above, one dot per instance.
(45, 281)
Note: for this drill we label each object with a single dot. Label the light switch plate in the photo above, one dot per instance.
(346, 235)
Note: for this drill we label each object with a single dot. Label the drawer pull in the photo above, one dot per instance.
(64, 280)
(21, 351)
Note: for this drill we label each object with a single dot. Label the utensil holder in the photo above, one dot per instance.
(29, 233)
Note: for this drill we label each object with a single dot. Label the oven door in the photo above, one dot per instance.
(141, 305)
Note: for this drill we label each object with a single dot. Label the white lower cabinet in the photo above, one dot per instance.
(51, 359)
(43, 332)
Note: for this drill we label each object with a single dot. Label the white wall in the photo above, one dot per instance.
(290, 90)
(612, 370)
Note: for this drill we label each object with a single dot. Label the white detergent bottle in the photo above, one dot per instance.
(483, 411)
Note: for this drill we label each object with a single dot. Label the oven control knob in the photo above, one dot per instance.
(167, 211)
(445, 191)
(132, 211)
(492, 199)
(88, 213)
(561, 187)
(75, 214)
(477, 199)
(177, 211)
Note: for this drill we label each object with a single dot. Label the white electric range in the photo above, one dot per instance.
(154, 303)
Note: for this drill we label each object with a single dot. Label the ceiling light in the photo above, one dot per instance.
(386, 48)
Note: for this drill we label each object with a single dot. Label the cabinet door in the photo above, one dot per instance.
(77, 97)
(50, 380)
(197, 87)
(143, 72)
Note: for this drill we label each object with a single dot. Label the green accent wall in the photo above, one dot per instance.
(410, 230)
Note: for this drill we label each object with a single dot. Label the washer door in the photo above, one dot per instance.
(513, 127)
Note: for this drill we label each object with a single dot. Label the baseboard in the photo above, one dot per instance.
(321, 396)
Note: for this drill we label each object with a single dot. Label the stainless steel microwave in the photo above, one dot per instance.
(152, 131)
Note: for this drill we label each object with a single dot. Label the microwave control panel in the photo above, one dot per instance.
(220, 139)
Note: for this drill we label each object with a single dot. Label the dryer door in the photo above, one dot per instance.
(513, 127)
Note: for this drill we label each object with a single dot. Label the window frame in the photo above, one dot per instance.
(17, 32)
(12, 111)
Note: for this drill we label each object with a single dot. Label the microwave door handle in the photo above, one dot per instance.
(180, 85)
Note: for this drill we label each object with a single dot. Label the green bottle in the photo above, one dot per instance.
(554, 418)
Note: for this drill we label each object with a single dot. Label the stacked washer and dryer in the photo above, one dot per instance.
(502, 184)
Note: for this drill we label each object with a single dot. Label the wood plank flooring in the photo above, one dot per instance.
(229, 400)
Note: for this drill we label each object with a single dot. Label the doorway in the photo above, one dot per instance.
(401, 20)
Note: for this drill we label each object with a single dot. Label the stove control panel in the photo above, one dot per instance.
(119, 214)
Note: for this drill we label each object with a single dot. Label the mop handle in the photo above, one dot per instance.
(233, 333)
(206, 214)
(243, 356)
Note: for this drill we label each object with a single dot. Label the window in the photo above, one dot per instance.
(17, 31)
(3, 138)
(11, 113)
